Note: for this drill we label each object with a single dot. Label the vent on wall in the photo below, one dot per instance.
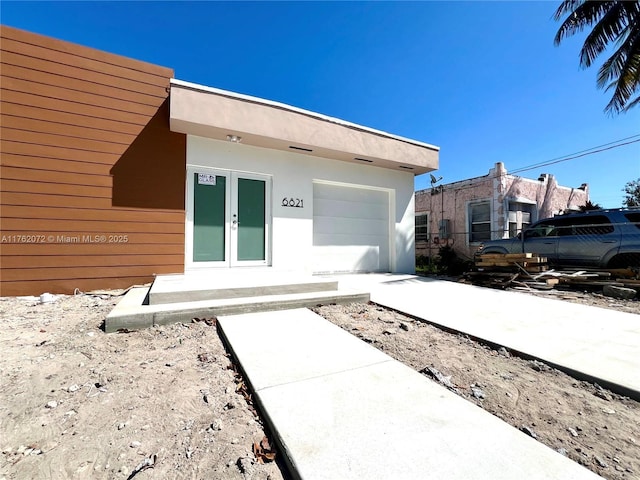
(363, 160)
(405, 167)
(300, 148)
(443, 228)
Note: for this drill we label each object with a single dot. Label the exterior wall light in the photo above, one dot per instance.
(234, 138)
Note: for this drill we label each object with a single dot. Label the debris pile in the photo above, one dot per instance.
(527, 271)
(528, 262)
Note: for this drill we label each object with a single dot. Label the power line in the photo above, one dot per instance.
(473, 182)
(581, 153)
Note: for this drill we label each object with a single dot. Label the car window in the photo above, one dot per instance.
(592, 225)
(634, 218)
(534, 232)
(563, 226)
(571, 225)
(547, 228)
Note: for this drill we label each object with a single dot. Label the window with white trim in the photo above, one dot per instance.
(422, 228)
(479, 222)
(520, 217)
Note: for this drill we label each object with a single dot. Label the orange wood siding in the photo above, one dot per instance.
(91, 178)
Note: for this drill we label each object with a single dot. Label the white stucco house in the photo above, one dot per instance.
(114, 173)
(272, 185)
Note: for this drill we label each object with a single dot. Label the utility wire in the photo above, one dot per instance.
(542, 164)
(584, 153)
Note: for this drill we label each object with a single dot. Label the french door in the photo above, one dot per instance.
(228, 218)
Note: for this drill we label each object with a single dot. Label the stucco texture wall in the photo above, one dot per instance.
(293, 175)
(451, 202)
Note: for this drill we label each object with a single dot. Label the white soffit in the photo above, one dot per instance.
(214, 113)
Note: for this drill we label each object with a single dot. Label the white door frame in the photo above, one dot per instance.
(233, 241)
(231, 205)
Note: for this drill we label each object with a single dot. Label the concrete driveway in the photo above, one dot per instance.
(593, 343)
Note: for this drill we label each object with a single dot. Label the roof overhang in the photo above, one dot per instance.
(213, 113)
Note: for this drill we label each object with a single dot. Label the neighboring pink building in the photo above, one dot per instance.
(498, 205)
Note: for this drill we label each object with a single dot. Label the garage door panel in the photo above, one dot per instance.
(351, 226)
(344, 240)
(350, 209)
(350, 194)
(350, 229)
(348, 258)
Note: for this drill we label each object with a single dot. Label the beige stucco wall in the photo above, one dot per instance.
(212, 113)
(550, 197)
(499, 188)
(451, 204)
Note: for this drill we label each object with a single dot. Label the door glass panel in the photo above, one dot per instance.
(251, 219)
(209, 218)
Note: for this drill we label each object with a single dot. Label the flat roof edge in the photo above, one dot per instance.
(488, 176)
(309, 113)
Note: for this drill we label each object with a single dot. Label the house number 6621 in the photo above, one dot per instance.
(293, 202)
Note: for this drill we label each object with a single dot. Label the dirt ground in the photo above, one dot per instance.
(119, 398)
(166, 402)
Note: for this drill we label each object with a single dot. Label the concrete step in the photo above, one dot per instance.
(133, 313)
(224, 285)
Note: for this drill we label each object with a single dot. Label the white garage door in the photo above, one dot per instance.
(350, 229)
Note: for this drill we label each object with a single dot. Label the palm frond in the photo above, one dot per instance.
(616, 23)
(607, 30)
(582, 14)
(633, 103)
(624, 70)
(614, 66)
(567, 6)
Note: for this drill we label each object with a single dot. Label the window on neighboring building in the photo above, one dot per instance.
(479, 222)
(422, 227)
(520, 216)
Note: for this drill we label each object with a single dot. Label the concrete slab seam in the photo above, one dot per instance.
(315, 377)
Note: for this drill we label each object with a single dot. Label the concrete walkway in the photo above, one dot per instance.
(341, 409)
(596, 343)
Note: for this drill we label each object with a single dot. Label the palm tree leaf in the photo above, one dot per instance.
(626, 62)
(567, 7)
(581, 15)
(631, 104)
(614, 66)
(613, 22)
(607, 30)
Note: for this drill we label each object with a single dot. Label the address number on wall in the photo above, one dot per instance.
(293, 202)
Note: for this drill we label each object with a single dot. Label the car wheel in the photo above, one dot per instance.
(625, 260)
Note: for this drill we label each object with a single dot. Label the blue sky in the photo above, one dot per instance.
(482, 80)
